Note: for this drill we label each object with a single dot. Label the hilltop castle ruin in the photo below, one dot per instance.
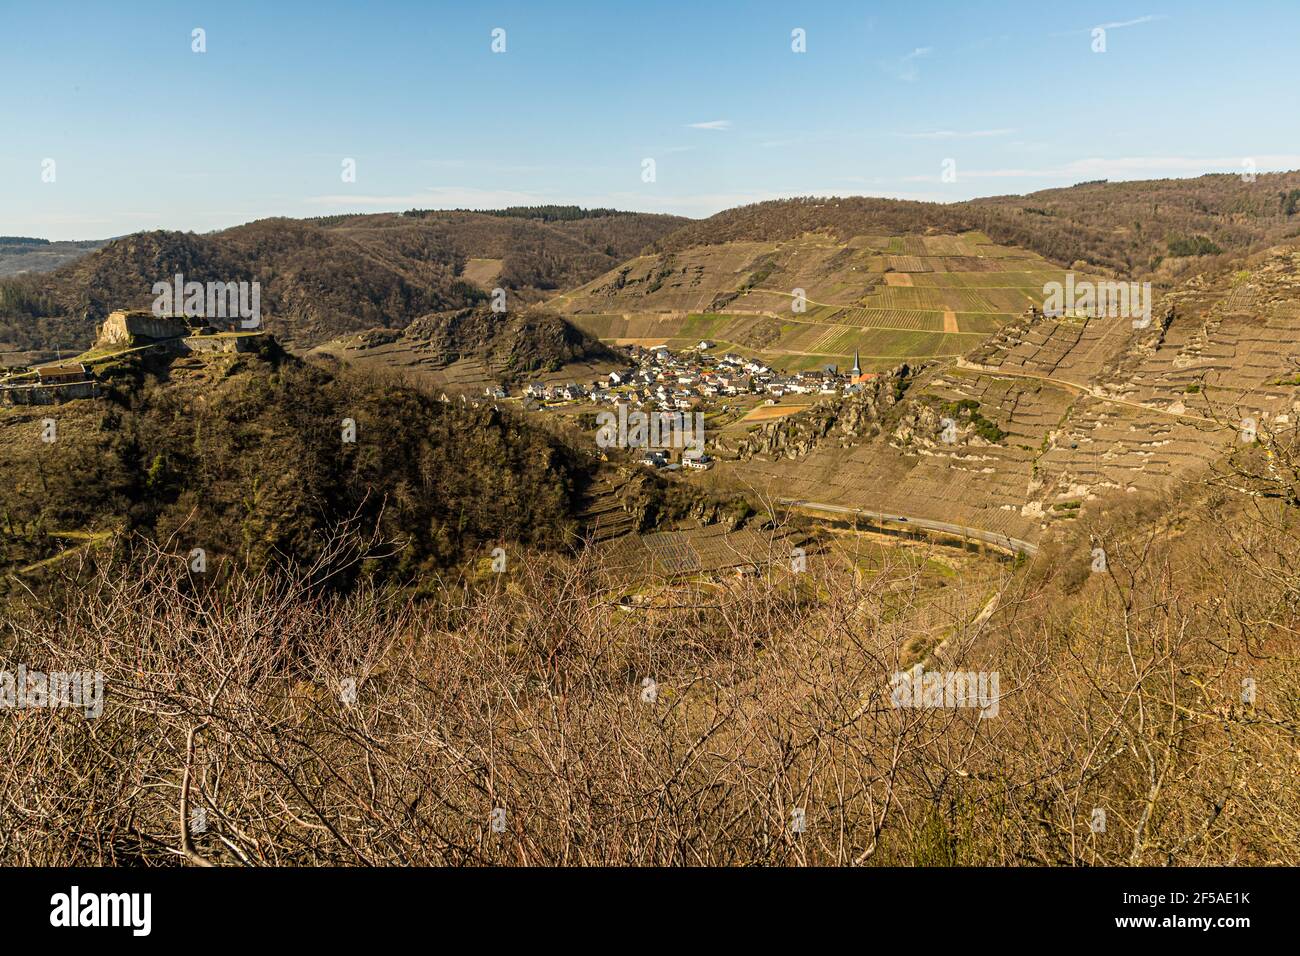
(124, 330)
(136, 327)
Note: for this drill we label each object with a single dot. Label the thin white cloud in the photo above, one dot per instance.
(1146, 165)
(1120, 24)
(56, 220)
(981, 174)
(810, 137)
(438, 197)
(710, 124)
(905, 67)
(1116, 24)
(957, 134)
(1130, 167)
(512, 168)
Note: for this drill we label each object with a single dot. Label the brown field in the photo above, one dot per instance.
(482, 272)
(645, 341)
(767, 413)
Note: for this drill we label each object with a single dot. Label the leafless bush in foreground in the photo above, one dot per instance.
(533, 720)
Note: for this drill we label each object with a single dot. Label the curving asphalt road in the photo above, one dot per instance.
(1016, 545)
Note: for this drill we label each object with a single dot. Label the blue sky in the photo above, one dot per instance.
(145, 133)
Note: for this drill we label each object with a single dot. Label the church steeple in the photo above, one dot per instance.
(857, 366)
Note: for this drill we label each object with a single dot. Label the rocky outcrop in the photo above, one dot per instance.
(844, 421)
(928, 423)
(515, 344)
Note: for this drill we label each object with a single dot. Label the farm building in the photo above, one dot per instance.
(49, 385)
(62, 374)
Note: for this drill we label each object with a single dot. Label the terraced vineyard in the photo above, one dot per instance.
(889, 299)
(1087, 407)
(699, 549)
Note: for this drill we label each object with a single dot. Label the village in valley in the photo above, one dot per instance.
(688, 380)
(692, 381)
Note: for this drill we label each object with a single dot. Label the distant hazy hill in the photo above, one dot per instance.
(326, 277)
(613, 232)
(1132, 227)
(1129, 227)
(19, 254)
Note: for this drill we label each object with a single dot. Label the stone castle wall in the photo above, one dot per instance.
(222, 343)
(121, 328)
(47, 394)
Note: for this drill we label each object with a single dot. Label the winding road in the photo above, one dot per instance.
(1015, 545)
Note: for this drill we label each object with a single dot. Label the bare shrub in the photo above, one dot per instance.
(535, 720)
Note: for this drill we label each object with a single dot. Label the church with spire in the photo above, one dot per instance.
(856, 375)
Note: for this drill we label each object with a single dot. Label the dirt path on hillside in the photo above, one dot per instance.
(1084, 390)
(950, 321)
(88, 539)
